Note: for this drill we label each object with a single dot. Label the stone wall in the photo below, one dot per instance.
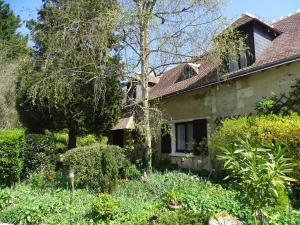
(235, 97)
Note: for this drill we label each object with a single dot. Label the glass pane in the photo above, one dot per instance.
(190, 137)
(243, 60)
(180, 137)
(233, 64)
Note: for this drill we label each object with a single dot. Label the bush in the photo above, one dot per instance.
(40, 153)
(264, 130)
(133, 173)
(5, 198)
(97, 167)
(259, 172)
(104, 207)
(11, 162)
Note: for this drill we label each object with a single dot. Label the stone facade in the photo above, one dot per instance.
(235, 97)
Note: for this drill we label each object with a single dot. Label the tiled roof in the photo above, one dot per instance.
(286, 45)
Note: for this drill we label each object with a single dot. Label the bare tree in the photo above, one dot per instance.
(158, 34)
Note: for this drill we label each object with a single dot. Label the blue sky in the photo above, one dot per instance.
(268, 10)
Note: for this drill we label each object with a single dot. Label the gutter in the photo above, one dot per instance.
(240, 74)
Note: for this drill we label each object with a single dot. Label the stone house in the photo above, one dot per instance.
(194, 98)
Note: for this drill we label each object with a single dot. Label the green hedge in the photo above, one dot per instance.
(264, 129)
(12, 143)
(97, 167)
(40, 152)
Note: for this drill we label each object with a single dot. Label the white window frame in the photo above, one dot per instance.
(172, 125)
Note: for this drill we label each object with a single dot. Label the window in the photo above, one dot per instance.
(184, 137)
(189, 135)
(188, 73)
(237, 62)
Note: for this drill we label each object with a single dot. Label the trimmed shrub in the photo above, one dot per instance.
(97, 167)
(11, 162)
(264, 130)
(40, 152)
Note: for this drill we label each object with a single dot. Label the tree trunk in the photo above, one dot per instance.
(72, 139)
(144, 51)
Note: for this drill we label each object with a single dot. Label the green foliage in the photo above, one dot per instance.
(61, 140)
(97, 166)
(47, 206)
(8, 113)
(47, 178)
(281, 217)
(40, 152)
(77, 88)
(273, 105)
(259, 172)
(132, 172)
(90, 140)
(141, 201)
(134, 202)
(104, 207)
(267, 105)
(12, 44)
(164, 164)
(12, 143)
(264, 130)
(182, 217)
(173, 195)
(12, 48)
(5, 198)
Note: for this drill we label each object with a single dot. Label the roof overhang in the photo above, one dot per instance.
(239, 74)
(125, 124)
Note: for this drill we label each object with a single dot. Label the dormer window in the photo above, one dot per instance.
(189, 71)
(236, 62)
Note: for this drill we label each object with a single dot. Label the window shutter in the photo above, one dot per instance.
(165, 141)
(200, 130)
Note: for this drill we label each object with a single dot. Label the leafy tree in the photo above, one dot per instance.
(12, 47)
(71, 80)
(12, 44)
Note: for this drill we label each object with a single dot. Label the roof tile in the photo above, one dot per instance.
(284, 46)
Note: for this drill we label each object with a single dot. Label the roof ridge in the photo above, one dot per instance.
(250, 14)
(285, 17)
